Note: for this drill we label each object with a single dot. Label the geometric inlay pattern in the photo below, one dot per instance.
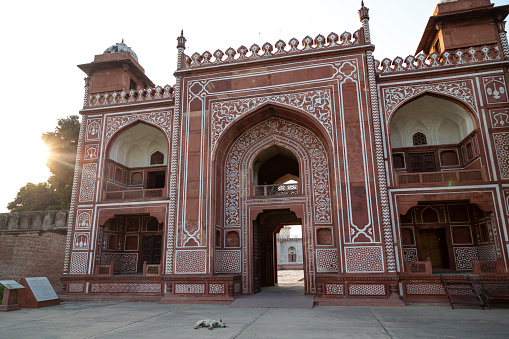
(123, 262)
(125, 288)
(227, 262)
(502, 148)
(189, 288)
(410, 254)
(424, 288)
(88, 182)
(326, 261)
(216, 289)
(317, 103)
(364, 259)
(190, 261)
(76, 287)
(366, 289)
(334, 289)
(487, 253)
(79, 263)
(464, 257)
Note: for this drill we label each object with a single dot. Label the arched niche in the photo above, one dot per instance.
(137, 159)
(432, 116)
(422, 129)
(275, 165)
(134, 146)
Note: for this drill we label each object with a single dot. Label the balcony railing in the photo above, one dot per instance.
(281, 189)
(134, 194)
(437, 177)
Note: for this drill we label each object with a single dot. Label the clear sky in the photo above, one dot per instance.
(43, 41)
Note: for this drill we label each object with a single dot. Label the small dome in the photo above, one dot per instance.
(121, 47)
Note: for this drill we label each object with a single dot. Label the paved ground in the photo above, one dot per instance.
(153, 320)
(290, 277)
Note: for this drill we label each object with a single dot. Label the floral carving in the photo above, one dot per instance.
(316, 153)
(499, 118)
(317, 103)
(93, 129)
(88, 182)
(396, 95)
(160, 119)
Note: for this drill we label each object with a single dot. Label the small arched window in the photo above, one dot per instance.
(419, 139)
(157, 158)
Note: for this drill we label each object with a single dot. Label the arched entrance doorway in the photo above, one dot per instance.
(265, 227)
(255, 160)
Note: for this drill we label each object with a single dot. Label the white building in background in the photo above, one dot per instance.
(289, 248)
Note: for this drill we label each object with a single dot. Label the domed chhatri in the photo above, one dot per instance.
(121, 47)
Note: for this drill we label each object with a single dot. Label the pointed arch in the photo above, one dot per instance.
(397, 100)
(254, 115)
(235, 157)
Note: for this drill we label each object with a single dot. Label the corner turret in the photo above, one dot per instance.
(117, 69)
(462, 24)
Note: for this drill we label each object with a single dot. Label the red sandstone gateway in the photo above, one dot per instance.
(400, 168)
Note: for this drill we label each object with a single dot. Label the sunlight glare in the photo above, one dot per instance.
(39, 154)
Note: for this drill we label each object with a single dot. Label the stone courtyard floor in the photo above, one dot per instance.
(152, 320)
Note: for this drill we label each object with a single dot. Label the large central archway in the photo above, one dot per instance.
(239, 202)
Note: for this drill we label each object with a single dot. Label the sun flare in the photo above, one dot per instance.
(40, 153)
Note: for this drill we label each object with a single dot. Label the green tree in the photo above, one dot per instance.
(62, 145)
(56, 192)
(34, 197)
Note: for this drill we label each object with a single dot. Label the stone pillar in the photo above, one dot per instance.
(87, 87)
(379, 152)
(503, 36)
(74, 194)
(172, 211)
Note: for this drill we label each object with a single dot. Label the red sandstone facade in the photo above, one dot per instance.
(395, 162)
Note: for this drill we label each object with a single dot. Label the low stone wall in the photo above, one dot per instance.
(32, 244)
(290, 266)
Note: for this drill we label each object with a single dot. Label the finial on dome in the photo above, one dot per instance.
(122, 40)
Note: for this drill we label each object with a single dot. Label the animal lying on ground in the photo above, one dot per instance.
(209, 323)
